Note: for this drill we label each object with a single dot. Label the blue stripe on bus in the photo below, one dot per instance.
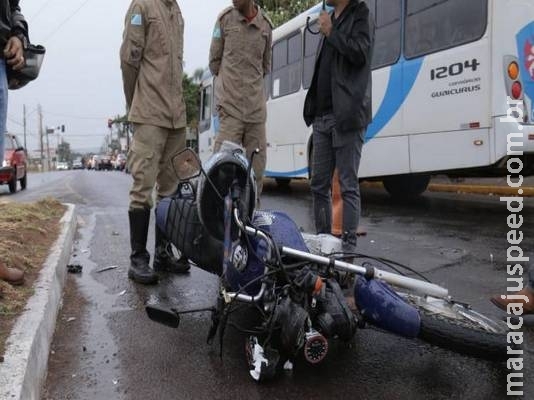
(291, 174)
(401, 81)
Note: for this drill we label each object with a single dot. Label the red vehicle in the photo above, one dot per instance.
(14, 167)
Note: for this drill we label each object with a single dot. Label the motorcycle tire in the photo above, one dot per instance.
(445, 333)
(456, 327)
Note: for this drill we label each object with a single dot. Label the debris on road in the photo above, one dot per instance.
(108, 268)
(116, 233)
(122, 293)
(71, 319)
(288, 366)
(74, 268)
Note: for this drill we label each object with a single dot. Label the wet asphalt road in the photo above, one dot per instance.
(106, 348)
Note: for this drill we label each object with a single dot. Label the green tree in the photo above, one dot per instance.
(63, 152)
(192, 100)
(198, 74)
(281, 11)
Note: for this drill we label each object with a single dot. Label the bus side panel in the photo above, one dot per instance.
(453, 89)
(387, 118)
(280, 161)
(384, 156)
(441, 148)
(286, 128)
(448, 106)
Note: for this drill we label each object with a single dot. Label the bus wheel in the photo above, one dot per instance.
(283, 182)
(406, 186)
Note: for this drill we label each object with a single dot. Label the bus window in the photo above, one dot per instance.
(387, 46)
(311, 47)
(205, 111)
(286, 75)
(437, 25)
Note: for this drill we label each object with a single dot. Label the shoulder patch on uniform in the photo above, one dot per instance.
(267, 18)
(136, 19)
(217, 33)
(224, 12)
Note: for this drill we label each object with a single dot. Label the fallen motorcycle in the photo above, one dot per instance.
(294, 280)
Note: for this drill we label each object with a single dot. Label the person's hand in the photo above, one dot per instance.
(14, 53)
(325, 23)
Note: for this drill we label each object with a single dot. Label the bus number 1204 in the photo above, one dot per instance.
(454, 69)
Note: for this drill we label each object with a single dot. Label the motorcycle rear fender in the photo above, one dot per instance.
(382, 307)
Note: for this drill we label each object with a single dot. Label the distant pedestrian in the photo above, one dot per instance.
(151, 62)
(240, 57)
(338, 104)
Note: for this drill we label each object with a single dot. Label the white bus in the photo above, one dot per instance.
(443, 73)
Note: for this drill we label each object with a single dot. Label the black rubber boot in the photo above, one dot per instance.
(164, 259)
(140, 270)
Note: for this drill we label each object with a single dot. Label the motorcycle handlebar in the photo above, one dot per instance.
(421, 287)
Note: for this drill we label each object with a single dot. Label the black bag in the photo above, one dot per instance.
(178, 218)
(33, 56)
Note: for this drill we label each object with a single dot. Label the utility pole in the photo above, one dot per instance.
(24, 124)
(40, 118)
(47, 150)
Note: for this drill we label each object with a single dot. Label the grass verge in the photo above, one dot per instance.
(27, 232)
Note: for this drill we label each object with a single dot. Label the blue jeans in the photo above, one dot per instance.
(3, 107)
(333, 150)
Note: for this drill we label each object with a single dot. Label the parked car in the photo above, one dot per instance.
(77, 164)
(14, 168)
(105, 163)
(120, 162)
(62, 166)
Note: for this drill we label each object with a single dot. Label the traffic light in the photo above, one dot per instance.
(110, 123)
(62, 128)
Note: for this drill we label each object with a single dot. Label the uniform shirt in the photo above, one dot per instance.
(152, 63)
(240, 57)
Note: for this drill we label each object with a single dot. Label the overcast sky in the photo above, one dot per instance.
(80, 84)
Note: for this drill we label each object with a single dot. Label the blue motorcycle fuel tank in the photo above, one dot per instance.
(284, 232)
(384, 308)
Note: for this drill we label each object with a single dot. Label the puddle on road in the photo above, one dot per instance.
(95, 370)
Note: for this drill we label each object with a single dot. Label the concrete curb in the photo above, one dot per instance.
(23, 371)
(471, 189)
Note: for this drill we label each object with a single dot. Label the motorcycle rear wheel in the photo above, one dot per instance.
(456, 327)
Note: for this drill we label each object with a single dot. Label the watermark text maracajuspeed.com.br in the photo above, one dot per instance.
(515, 256)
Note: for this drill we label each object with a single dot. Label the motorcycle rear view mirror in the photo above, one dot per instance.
(186, 165)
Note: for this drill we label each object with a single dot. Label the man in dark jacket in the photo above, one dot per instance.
(13, 38)
(338, 105)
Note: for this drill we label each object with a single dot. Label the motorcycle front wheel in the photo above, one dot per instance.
(457, 327)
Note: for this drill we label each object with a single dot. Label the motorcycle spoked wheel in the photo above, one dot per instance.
(456, 327)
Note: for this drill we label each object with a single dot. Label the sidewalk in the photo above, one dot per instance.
(484, 186)
(493, 186)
